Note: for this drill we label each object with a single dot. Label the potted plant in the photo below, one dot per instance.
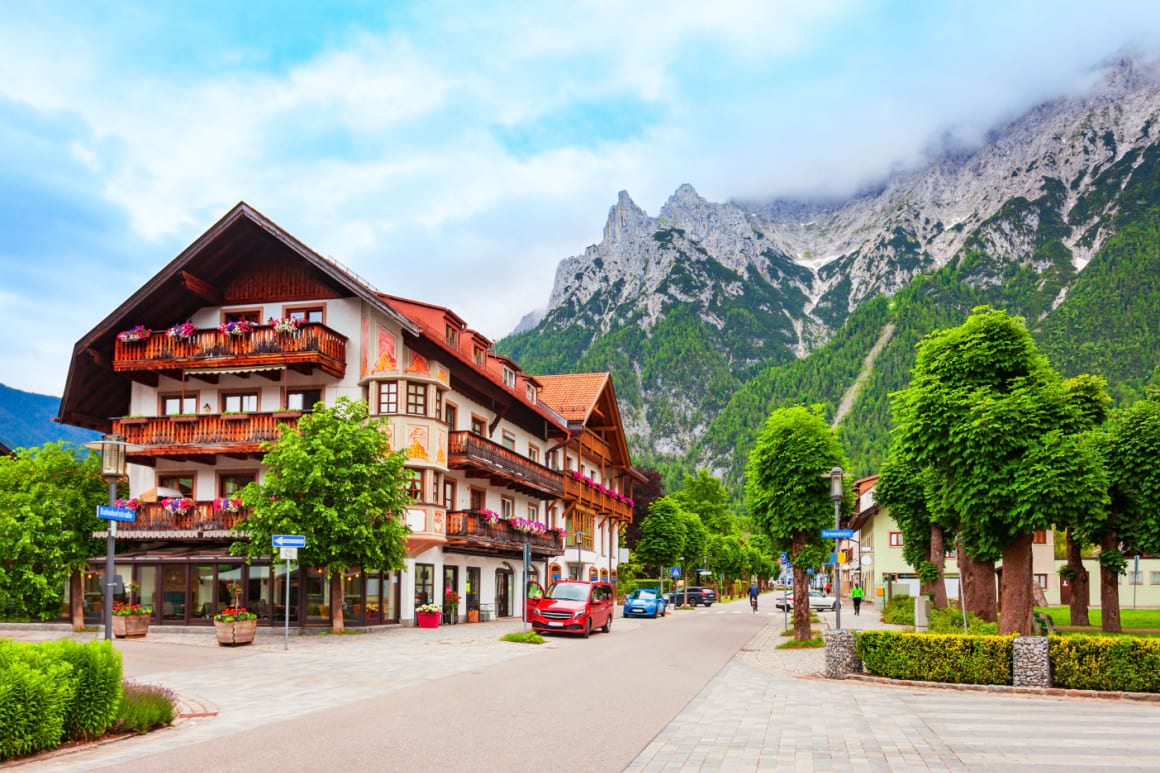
(428, 615)
(130, 620)
(450, 607)
(135, 333)
(182, 332)
(236, 327)
(285, 324)
(235, 625)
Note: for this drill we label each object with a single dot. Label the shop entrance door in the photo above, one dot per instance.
(503, 599)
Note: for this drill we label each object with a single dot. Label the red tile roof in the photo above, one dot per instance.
(572, 395)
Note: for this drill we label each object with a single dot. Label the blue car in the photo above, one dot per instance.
(645, 602)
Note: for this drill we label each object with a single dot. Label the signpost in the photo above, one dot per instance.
(112, 515)
(115, 514)
(288, 545)
(837, 533)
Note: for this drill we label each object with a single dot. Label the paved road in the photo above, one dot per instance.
(458, 699)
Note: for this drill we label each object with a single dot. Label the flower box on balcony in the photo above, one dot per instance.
(235, 417)
(287, 414)
(182, 419)
(133, 420)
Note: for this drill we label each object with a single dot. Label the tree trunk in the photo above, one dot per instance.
(1080, 583)
(801, 593)
(938, 557)
(337, 623)
(978, 587)
(1017, 579)
(1110, 587)
(76, 600)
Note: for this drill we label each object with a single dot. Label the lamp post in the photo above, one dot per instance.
(112, 449)
(836, 495)
(579, 563)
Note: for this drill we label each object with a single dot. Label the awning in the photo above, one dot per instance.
(218, 371)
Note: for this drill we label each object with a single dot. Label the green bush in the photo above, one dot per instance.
(1105, 663)
(899, 610)
(92, 708)
(144, 707)
(960, 659)
(950, 620)
(34, 696)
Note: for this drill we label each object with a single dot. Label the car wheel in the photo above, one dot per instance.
(607, 628)
(708, 604)
(587, 627)
(626, 614)
(656, 611)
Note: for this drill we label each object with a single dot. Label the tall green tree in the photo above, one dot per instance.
(336, 481)
(662, 536)
(48, 513)
(992, 423)
(788, 492)
(707, 496)
(903, 489)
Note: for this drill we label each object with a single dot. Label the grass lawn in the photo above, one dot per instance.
(1129, 618)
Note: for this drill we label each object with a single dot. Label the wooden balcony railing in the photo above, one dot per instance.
(153, 520)
(314, 345)
(595, 500)
(470, 530)
(204, 434)
(468, 451)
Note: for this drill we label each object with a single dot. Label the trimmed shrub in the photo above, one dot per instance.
(936, 657)
(1105, 663)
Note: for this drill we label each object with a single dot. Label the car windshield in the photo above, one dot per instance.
(643, 595)
(568, 592)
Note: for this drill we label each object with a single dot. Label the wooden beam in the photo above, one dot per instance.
(202, 288)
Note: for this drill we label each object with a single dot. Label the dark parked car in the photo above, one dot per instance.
(693, 595)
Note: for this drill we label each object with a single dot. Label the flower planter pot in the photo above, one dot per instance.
(428, 619)
(287, 414)
(236, 633)
(183, 419)
(130, 626)
(473, 615)
(235, 417)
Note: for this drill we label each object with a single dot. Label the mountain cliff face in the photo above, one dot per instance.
(688, 307)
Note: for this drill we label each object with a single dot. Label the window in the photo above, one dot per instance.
(478, 499)
(415, 484)
(533, 453)
(438, 402)
(306, 314)
(303, 399)
(531, 393)
(240, 402)
(451, 335)
(249, 315)
(389, 397)
(448, 494)
(1041, 581)
(172, 405)
(507, 507)
(424, 584)
(477, 354)
(509, 377)
(477, 425)
(182, 481)
(533, 512)
(509, 440)
(417, 399)
(553, 460)
(895, 539)
(1135, 578)
(450, 415)
(231, 483)
(1039, 537)
(1156, 578)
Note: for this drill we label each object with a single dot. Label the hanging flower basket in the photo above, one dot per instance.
(137, 333)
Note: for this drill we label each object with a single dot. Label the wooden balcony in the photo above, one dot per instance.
(185, 437)
(481, 458)
(313, 346)
(595, 500)
(153, 521)
(469, 532)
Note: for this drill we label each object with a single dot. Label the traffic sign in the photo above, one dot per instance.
(288, 554)
(115, 513)
(837, 533)
(784, 558)
(289, 541)
(676, 573)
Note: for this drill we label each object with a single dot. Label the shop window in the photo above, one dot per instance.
(895, 539)
(424, 584)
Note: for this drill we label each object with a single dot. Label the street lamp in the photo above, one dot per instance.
(579, 563)
(836, 495)
(112, 448)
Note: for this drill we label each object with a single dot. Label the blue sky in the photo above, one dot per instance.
(456, 152)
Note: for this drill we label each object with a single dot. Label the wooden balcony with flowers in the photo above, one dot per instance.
(596, 496)
(303, 346)
(180, 518)
(474, 531)
(187, 436)
(481, 458)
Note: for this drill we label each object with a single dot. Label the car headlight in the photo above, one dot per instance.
(579, 613)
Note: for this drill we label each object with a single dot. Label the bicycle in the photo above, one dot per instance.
(753, 603)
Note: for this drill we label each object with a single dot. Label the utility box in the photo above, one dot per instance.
(921, 613)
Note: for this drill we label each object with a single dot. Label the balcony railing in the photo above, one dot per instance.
(153, 520)
(470, 530)
(313, 345)
(202, 434)
(596, 500)
(503, 466)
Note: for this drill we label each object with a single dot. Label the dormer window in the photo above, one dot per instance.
(451, 336)
(531, 392)
(509, 377)
(478, 355)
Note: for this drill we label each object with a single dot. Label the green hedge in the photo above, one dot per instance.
(936, 657)
(1105, 663)
(55, 691)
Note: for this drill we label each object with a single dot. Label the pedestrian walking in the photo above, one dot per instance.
(856, 594)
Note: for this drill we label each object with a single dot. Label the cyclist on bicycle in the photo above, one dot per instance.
(753, 595)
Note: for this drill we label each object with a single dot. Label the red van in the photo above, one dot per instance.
(573, 606)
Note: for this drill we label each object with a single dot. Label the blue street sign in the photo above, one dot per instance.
(115, 513)
(289, 541)
(837, 533)
(833, 559)
(784, 558)
(675, 573)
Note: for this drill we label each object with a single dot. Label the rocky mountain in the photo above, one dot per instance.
(689, 307)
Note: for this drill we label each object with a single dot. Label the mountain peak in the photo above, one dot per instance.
(624, 220)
